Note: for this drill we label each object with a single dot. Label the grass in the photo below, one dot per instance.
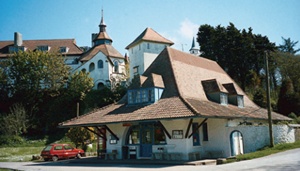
(12, 154)
(266, 151)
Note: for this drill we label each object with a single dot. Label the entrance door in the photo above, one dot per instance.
(146, 140)
(236, 139)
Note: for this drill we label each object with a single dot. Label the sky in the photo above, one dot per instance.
(176, 20)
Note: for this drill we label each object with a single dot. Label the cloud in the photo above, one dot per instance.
(188, 29)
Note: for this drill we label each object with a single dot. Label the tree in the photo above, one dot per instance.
(288, 46)
(80, 136)
(15, 122)
(238, 52)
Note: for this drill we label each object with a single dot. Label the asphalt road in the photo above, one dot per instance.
(284, 161)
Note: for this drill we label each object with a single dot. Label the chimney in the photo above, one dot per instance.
(18, 39)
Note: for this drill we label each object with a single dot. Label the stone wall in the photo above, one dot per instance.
(257, 137)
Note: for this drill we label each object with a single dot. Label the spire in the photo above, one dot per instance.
(101, 37)
(102, 25)
(194, 50)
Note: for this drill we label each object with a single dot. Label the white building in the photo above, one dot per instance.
(104, 63)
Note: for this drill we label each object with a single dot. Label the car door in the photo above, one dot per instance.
(59, 151)
(69, 152)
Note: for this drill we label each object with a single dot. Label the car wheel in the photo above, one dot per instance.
(78, 156)
(54, 158)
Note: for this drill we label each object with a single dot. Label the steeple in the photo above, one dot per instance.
(194, 50)
(102, 25)
(102, 37)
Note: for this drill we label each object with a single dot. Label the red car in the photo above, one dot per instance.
(61, 151)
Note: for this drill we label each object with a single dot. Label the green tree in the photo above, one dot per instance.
(80, 136)
(15, 122)
(288, 46)
(238, 52)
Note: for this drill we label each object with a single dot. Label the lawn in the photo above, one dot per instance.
(12, 154)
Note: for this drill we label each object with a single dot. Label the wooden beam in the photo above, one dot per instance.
(188, 128)
(113, 134)
(94, 132)
(103, 136)
(198, 127)
(165, 130)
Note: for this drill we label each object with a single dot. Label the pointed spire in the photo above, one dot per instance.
(102, 25)
(194, 50)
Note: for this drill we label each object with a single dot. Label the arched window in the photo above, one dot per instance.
(91, 67)
(83, 70)
(100, 86)
(100, 64)
(116, 66)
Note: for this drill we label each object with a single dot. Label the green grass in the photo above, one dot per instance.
(12, 154)
(266, 151)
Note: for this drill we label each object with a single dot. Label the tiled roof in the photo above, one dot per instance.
(103, 35)
(106, 49)
(32, 45)
(164, 109)
(150, 35)
(183, 95)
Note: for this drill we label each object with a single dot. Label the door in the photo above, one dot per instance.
(236, 139)
(146, 140)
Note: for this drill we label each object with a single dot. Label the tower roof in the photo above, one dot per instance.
(150, 35)
(102, 35)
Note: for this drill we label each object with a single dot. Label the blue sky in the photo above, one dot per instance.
(177, 20)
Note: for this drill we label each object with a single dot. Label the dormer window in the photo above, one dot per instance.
(44, 48)
(240, 101)
(64, 49)
(13, 49)
(223, 99)
(144, 95)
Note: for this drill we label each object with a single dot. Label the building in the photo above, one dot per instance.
(103, 62)
(183, 107)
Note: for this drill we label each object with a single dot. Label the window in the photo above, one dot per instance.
(91, 67)
(159, 136)
(59, 147)
(63, 49)
(143, 95)
(139, 46)
(196, 136)
(135, 70)
(134, 135)
(116, 63)
(240, 101)
(205, 132)
(148, 45)
(68, 147)
(83, 70)
(223, 99)
(100, 64)
(13, 49)
(44, 48)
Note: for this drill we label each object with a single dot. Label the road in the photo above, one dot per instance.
(287, 161)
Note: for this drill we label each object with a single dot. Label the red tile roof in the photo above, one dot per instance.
(183, 96)
(32, 45)
(150, 35)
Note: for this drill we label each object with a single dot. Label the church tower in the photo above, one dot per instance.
(194, 50)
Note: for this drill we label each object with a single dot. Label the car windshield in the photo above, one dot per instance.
(48, 148)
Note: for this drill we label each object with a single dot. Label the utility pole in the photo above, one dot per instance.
(269, 101)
